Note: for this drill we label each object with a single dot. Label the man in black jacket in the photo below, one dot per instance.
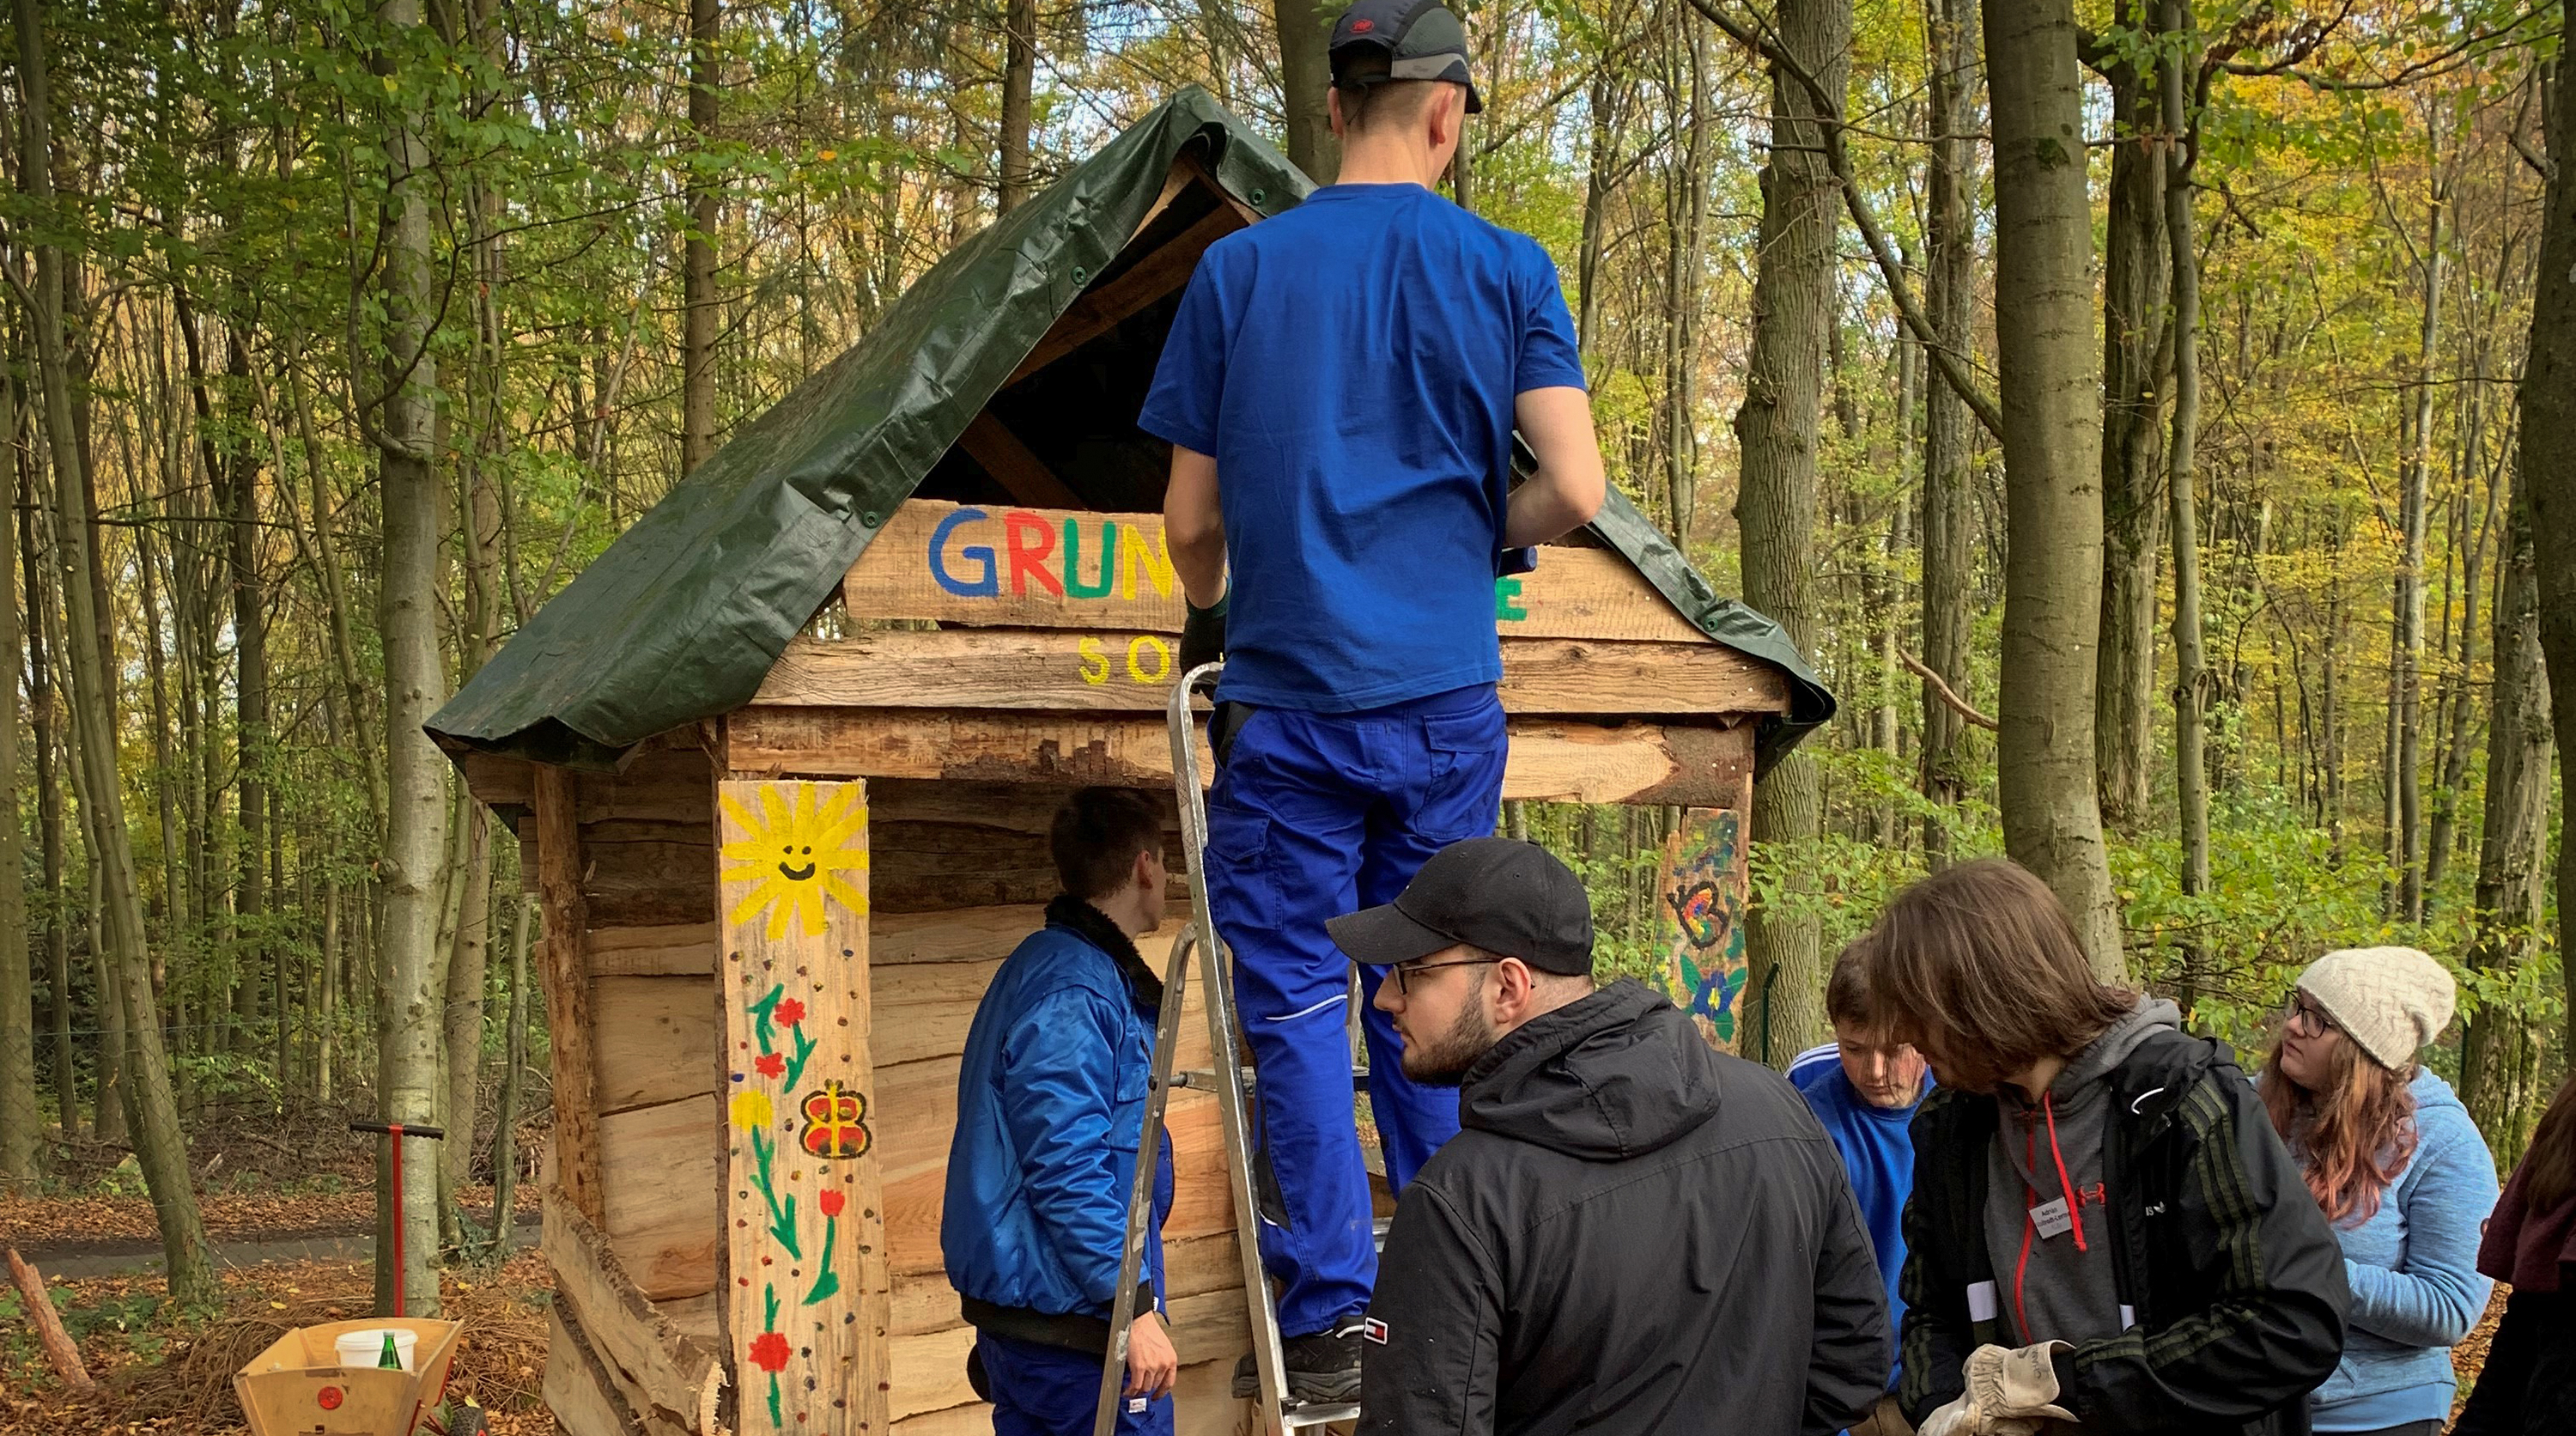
(1633, 1233)
(2104, 1230)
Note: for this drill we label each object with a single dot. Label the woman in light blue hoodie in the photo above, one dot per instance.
(2401, 1173)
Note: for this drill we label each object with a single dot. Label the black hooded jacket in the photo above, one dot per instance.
(2233, 1278)
(1633, 1233)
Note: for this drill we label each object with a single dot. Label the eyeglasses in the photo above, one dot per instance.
(1407, 971)
(2304, 1011)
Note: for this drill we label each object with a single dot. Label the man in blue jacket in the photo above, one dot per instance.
(1340, 389)
(1050, 1108)
(1865, 1087)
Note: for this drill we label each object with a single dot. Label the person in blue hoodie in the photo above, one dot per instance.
(2400, 1171)
(1865, 1087)
(1050, 1111)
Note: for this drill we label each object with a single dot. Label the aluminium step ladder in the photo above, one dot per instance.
(1200, 946)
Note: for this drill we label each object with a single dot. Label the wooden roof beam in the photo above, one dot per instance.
(1021, 473)
(1153, 278)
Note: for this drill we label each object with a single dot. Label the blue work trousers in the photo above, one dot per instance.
(1048, 1391)
(1314, 815)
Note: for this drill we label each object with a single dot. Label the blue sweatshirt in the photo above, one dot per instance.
(1878, 1156)
(2413, 1268)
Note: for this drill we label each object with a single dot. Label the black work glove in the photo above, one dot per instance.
(1203, 633)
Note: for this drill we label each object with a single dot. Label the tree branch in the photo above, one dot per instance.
(1941, 690)
(1829, 122)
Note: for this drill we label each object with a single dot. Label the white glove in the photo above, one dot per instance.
(1962, 1418)
(2017, 1382)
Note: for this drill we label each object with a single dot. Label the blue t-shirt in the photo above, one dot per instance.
(1878, 1155)
(1351, 365)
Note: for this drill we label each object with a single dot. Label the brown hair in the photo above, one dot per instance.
(2355, 1133)
(2550, 1164)
(1847, 1001)
(1096, 836)
(1978, 966)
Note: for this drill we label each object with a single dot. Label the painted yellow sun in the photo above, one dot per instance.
(793, 854)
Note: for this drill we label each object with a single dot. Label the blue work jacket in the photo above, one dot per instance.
(1050, 1109)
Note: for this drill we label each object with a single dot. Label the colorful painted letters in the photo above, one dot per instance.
(1033, 557)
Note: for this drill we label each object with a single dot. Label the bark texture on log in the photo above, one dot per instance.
(61, 1353)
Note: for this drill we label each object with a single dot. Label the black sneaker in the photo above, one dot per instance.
(1323, 1367)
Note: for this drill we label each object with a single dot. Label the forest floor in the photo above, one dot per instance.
(160, 1371)
(290, 1209)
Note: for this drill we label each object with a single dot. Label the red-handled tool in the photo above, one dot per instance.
(398, 1131)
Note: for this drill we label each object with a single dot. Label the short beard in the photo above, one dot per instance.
(1443, 1061)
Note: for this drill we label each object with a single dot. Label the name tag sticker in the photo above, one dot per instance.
(2051, 1218)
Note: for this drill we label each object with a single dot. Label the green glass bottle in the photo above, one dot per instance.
(390, 1356)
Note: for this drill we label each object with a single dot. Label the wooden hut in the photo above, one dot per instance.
(781, 760)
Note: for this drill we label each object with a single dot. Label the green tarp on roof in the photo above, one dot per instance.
(683, 615)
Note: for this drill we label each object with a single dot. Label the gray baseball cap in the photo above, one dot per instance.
(1419, 39)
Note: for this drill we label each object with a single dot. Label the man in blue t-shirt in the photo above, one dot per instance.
(1340, 390)
(1864, 1087)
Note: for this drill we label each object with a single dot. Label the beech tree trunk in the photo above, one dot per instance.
(1305, 74)
(1019, 77)
(43, 726)
(2191, 672)
(2137, 264)
(1949, 433)
(2514, 835)
(20, 1122)
(1777, 430)
(160, 1147)
(698, 256)
(2049, 363)
(2406, 721)
(2548, 398)
(505, 1137)
(408, 1016)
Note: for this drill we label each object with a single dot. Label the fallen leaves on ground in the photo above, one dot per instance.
(43, 1221)
(160, 1372)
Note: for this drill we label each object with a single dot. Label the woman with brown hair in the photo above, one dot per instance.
(2399, 1169)
(2529, 1385)
(2104, 1229)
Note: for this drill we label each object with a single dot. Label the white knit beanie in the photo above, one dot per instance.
(2389, 1000)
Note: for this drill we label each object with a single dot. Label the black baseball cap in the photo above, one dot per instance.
(1420, 40)
(1511, 898)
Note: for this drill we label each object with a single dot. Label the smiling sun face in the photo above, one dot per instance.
(793, 854)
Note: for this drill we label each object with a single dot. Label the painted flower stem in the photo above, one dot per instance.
(782, 1213)
(828, 1280)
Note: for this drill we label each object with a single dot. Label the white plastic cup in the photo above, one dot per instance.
(366, 1348)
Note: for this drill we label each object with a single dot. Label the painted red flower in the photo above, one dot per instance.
(770, 1064)
(831, 1201)
(791, 1012)
(769, 1352)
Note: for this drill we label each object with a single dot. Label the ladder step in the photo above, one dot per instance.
(1316, 1413)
